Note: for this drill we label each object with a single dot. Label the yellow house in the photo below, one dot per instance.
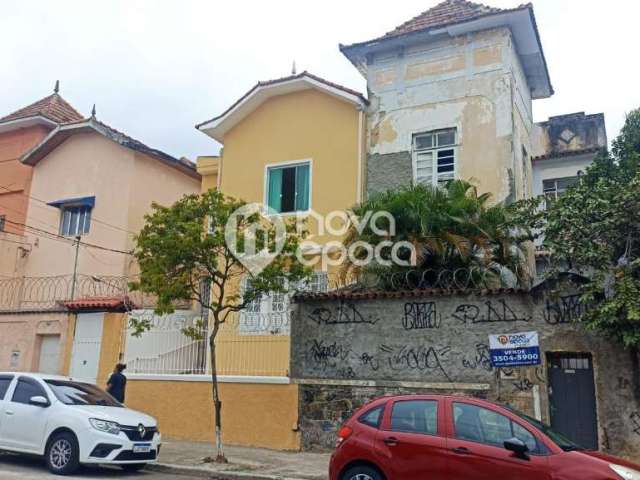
(295, 144)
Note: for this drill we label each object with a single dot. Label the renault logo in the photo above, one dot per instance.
(141, 430)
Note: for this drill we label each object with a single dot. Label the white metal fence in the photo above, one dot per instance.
(165, 349)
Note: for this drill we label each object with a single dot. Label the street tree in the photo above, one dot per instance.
(188, 244)
(593, 229)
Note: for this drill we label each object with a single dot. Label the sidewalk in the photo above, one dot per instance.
(244, 463)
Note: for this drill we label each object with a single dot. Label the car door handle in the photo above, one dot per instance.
(8, 412)
(391, 441)
(461, 451)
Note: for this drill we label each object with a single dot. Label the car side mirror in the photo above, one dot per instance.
(517, 446)
(39, 401)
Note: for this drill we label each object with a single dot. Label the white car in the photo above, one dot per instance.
(70, 423)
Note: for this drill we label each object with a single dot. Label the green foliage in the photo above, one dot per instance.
(593, 230)
(182, 245)
(451, 228)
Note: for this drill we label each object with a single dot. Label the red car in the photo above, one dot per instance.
(459, 438)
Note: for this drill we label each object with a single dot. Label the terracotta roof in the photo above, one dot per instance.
(276, 81)
(53, 107)
(369, 294)
(64, 131)
(445, 13)
(100, 303)
(568, 153)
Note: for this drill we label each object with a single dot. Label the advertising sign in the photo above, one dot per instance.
(515, 349)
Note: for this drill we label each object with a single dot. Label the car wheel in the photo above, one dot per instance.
(133, 467)
(63, 454)
(362, 472)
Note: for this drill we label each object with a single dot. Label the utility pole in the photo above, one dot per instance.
(75, 269)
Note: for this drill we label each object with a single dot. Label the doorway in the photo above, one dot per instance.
(85, 355)
(49, 360)
(572, 397)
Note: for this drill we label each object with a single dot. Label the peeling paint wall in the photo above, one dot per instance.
(569, 133)
(346, 352)
(474, 83)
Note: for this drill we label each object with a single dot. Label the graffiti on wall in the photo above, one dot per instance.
(342, 359)
(635, 422)
(481, 359)
(564, 309)
(420, 315)
(345, 313)
(490, 312)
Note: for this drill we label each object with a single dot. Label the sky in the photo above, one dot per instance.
(155, 68)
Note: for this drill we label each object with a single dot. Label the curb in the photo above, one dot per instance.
(203, 472)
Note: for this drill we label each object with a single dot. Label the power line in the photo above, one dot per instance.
(47, 204)
(71, 241)
(14, 241)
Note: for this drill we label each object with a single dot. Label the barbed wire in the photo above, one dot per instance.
(46, 293)
(468, 278)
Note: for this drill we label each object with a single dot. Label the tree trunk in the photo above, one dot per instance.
(217, 404)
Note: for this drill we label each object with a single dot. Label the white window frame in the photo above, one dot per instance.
(435, 181)
(287, 164)
(555, 192)
(318, 283)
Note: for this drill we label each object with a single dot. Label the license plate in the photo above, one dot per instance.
(141, 448)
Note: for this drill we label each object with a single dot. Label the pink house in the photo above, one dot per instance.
(90, 187)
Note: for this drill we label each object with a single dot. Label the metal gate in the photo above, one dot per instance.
(572, 397)
(87, 340)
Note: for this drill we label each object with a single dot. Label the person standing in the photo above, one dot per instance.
(117, 383)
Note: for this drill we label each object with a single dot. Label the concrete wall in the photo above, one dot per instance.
(21, 335)
(15, 186)
(304, 125)
(559, 167)
(571, 132)
(124, 184)
(440, 344)
(474, 83)
(258, 415)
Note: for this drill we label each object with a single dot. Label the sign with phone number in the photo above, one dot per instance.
(514, 349)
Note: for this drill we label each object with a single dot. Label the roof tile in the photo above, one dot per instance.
(100, 303)
(445, 13)
(53, 107)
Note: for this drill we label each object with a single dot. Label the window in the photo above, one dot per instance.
(553, 188)
(288, 188)
(373, 417)
(26, 389)
(434, 157)
(415, 416)
(73, 393)
(3, 221)
(477, 424)
(5, 381)
(75, 220)
(270, 314)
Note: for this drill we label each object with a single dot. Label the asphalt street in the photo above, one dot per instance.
(14, 467)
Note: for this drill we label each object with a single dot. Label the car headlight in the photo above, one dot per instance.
(625, 472)
(105, 426)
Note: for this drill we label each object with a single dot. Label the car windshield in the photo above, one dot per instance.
(560, 440)
(75, 393)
